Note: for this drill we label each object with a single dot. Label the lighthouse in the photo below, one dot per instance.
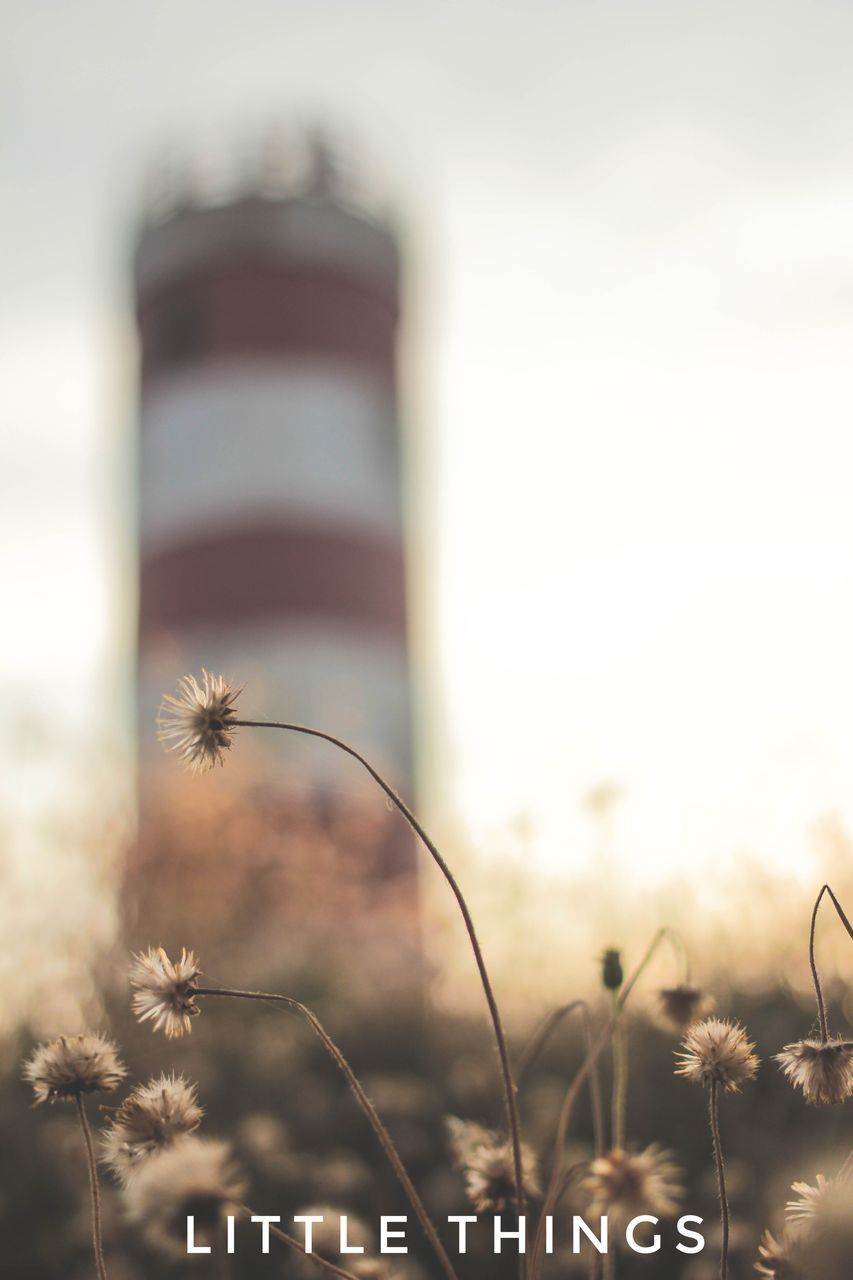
(270, 519)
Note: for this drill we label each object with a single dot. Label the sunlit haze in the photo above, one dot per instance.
(627, 393)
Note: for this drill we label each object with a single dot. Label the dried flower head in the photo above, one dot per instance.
(824, 1072)
(165, 990)
(679, 1007)
(70, 1066)
(623, 1185)
(822, 1223)
(195, 1177)
(486, 1159)
(152, 1117)
(198, 723)
(464, 1138)
(780, 1259)
(717, 1051)
(812, 1199)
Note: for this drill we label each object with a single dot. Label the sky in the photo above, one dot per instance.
(626, 395)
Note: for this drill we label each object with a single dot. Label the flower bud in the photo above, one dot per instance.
(611, 970)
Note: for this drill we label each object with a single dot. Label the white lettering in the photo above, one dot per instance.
(385, 1235)
(519, 1235)
(462, 1223)
(578, 1226)
(691, 1235)
(192, 1247)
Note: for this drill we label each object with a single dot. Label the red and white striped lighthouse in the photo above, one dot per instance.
(271, 541)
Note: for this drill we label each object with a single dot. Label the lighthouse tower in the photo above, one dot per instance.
(271, 543)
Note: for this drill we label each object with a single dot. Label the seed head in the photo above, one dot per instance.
(195, 1177)
(165, 990)
(486, 1159)
(198, 723)
(824, 1072)
(679, 1007)
(69, 1066)
(623, 1185)
(812, 1199)
(465, 1137)
(780, 1259)
(152, 1117)
(717, 1051)
(822, 1220)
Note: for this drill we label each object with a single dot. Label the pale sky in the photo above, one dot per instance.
(627, 396)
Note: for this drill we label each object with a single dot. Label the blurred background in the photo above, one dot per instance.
(470, 381)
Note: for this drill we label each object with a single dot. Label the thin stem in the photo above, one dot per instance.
(821, 1004)
(510, 1097)
(677, 943)
(713, 1115)
(298, 1247)
(553, 1190)
(586, 1068)
(536, 1045)
(364, 1102)
(97, 1240)
(619, 1102)
(537, 1042)
(620, 1077)
(609, 1267)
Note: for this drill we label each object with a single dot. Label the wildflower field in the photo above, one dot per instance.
(207, 1127)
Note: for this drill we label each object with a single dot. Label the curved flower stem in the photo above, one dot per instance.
(714, 1117)
(97, 1240)
(553, 1190)
(821, 1004)
(298, 1247)
(510, 1096)
(364, 1102)
(587, 1066)
(679, 947)
(537, 1042)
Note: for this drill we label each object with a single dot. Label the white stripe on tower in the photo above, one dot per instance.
(240, 442)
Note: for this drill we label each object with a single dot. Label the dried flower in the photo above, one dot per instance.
(811, 1199)
(778, 1259)
(150, 1118)
(611, 970)
(824, 1072)
(198, 724)
(69, 1066)
(486, 1159)
(194, 1177)
(165, 991)
(822, 1223)
(465, 1137)
(717, 1051)
(679, 1007)
(623, 1185)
